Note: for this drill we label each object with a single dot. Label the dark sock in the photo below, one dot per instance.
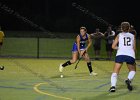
(89, 67)
(66, 64)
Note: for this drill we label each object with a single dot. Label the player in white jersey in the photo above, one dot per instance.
(125, 53)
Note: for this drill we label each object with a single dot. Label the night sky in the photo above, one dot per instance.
(61, 16)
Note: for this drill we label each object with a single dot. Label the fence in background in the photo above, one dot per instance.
(44, 48)
(40, 45)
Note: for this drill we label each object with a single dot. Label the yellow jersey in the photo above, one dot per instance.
(1, 36)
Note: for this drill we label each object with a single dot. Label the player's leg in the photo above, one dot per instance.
(73, 60)
(0, 47)
(110, 51)
(1, 67)
(98, 51)
(89, 65)
(95, 52)
(132, 71)
(98, 54)
(1, 43)
(118, 63)
(107, 50)
(114, 76)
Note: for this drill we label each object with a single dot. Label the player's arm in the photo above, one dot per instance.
(113, 33)
(89, 43)
(135, 33)
(135, 44)
(102, 34)
(105, 35)
(78, 43)
(92, 34)
(114, 45)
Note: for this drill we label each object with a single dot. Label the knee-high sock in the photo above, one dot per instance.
(131, 75)
(66, 64)
(114, 79)
(89, 67)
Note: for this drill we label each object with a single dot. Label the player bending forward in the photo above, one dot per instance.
(79, 48)
(125, 53)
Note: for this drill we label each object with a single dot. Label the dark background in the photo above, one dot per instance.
(61, 16)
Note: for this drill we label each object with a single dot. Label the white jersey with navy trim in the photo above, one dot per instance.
(126, 44)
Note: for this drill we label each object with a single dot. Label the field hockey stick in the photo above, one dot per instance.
(79, 60)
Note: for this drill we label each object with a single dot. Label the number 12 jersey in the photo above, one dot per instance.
(126, 44)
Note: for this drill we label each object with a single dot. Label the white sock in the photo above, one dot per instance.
(131, 75)
(114, 79)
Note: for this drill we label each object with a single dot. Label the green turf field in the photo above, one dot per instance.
(39, 79)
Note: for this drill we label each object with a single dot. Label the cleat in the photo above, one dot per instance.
(93, 73)
(61, 68)
(129, 86)
(112, 89)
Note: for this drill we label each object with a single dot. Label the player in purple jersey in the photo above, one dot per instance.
(80, 49)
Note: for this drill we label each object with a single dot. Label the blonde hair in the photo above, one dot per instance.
(125, 26)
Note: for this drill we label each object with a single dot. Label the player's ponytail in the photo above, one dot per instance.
(125, 26)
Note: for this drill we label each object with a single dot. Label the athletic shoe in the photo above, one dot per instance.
(93, 73)
(61, 68)
(129, 86)
(1, 67)
(112, 89)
